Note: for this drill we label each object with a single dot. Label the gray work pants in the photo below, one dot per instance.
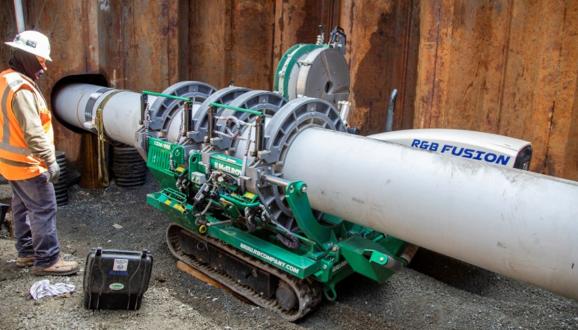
(34, 211)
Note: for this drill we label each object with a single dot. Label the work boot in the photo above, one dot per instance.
(60, 268)
(23, 262)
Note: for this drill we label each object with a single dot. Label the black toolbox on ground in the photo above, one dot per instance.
(116, 279)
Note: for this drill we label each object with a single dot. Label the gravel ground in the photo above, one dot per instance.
(436, 292)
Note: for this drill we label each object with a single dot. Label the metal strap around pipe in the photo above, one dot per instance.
(90, 103)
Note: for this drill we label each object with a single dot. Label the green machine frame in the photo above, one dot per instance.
(330, 248)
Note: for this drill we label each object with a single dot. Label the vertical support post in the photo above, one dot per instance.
(89, 162)
(259, 131)
(143, 106)
(19, 13)
(390, 111)
(211, 118)
(187, 118)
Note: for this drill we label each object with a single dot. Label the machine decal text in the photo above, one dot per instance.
(456, 151)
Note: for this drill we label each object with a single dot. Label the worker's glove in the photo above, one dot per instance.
(53, 172)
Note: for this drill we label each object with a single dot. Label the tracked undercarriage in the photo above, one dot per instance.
(247, 277)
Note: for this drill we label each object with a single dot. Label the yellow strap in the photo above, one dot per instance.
(16, 163)
(101, 150)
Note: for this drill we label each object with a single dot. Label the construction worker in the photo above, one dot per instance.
(27, 158)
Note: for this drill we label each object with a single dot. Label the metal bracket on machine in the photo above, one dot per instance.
(164, 109)
(228, 123)
(296, 195)
(200, 117)
(338, 39)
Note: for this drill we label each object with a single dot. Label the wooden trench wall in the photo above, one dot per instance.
(507, 67)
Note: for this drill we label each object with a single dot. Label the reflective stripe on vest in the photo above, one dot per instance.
(15, 163)
(5, 143)
(16, 160)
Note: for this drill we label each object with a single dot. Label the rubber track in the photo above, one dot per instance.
(308, 293)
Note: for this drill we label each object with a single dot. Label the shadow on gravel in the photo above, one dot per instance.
(453, 272)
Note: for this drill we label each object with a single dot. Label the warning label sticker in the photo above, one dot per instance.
(120, 265)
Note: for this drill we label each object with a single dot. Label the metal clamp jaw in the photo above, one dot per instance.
(259, 125)
(187, 103)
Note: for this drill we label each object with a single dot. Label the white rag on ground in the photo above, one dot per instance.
(43, 288)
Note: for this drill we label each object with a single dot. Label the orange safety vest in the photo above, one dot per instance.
(16, 160)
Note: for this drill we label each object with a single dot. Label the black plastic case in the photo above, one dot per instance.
(116, 279)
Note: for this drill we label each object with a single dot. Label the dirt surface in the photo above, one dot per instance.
(437, 292)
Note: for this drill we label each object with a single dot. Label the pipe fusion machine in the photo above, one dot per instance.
(272, 196)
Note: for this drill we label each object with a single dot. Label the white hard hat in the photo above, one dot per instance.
(32, 42)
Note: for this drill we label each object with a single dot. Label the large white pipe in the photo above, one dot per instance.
(520, 224)
(120, 111)
(77, 105)
(517, 223)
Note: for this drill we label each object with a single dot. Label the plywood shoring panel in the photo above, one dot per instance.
(499, 66)
(507, 67)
